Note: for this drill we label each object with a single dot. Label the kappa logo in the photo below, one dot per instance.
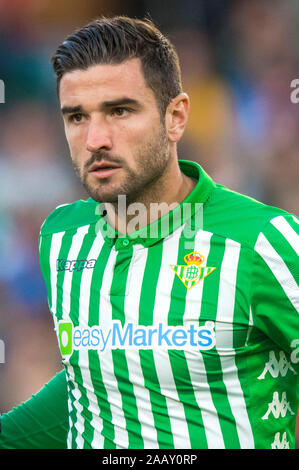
(277, 366)
(280, 443)
(191, 273)
(278, 408)
(75, 265)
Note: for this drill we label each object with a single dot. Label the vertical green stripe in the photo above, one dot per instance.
(73, 411)
(151, 382)
(94, 362)
(178, 360)
(102, 399)
(242, 295)
(66, 244)
(96, 285)
(117, 298)
(241, 316)
(44, 254)
(63, 254)
(149, 284)
(70, 387)
(77, 276)
(186, 395)
(211, 358)
(88, 432)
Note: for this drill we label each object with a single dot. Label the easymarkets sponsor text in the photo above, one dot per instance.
(131, 336)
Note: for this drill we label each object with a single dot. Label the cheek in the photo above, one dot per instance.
(75, 140)
(131, 139)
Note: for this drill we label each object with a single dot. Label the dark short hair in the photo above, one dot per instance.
(114, 40)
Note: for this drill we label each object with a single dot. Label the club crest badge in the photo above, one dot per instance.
(192, 272)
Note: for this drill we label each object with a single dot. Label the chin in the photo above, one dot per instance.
(104, 197)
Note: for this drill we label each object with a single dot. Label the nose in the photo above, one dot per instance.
(99, 135)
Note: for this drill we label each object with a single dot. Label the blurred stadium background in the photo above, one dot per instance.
(238, 59)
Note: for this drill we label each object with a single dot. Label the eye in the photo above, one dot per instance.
(77, 117)
(120, 111)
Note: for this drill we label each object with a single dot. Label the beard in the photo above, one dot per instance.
(151, 161)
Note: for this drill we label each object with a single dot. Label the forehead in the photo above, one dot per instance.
(105, 82)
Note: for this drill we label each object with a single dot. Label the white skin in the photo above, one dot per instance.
(111, 114)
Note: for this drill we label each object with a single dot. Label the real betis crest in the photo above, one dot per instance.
(191, 273)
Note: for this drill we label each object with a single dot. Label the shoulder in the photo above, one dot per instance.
(243, 218)
(69, 216)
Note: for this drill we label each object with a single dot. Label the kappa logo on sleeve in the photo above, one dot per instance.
(75, 265)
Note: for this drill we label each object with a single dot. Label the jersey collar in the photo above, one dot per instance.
(161, 228)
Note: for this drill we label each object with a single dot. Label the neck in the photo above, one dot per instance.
(155, 202)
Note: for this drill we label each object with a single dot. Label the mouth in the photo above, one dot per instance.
(103, 169)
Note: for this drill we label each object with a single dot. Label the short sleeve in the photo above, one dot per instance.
(275, 292)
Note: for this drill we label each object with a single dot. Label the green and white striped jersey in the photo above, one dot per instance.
(183, 334)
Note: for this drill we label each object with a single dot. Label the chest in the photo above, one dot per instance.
(205, 283)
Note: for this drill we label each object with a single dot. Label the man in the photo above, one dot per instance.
(178, 327)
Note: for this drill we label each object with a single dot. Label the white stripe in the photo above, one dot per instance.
(287, 231)
(96, 422)
(279, 269)
(224, 328)
(62, 205)
(176, 412)
(195, 361)
(70, 407)
(175, 408)
(106, 359)
(250, 326)
(145, 415)
(166, 277)
(84, 300)
(75, 405)
(86, 279)
(295, 219)
(66, 301)
(54, 255)
(250, 323)
(73, 253)
(194, 295)
(227, 285)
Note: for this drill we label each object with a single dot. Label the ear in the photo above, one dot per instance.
(177, 116)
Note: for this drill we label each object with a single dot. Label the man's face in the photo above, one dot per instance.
(117, 141)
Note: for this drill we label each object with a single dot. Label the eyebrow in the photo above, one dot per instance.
(105, 105)
(71, 109)
(120, 102)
